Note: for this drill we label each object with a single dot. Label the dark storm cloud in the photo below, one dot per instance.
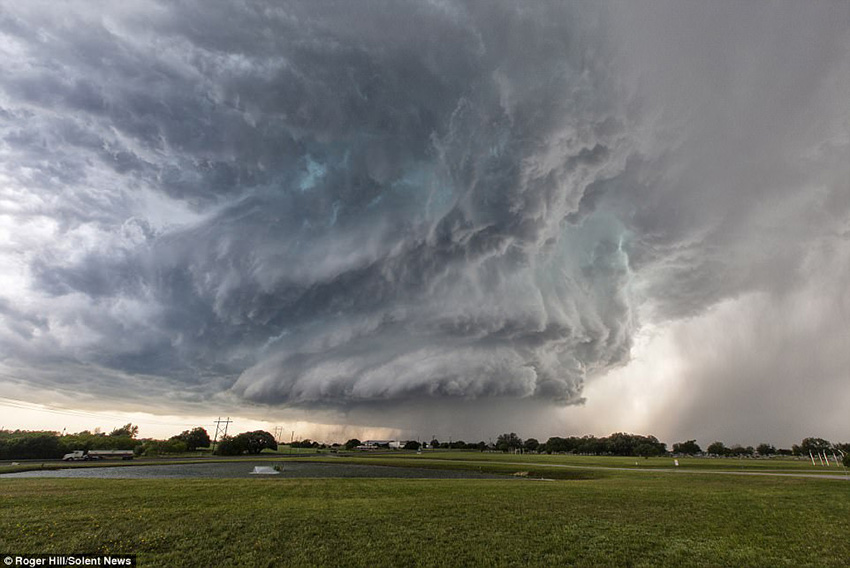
(339, 203)
(377, 199)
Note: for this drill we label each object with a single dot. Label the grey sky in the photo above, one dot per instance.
(392, 214)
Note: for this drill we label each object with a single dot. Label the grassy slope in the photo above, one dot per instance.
(618, 519)
(790, 465)
(577, 467)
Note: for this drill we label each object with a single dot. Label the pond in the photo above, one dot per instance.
(243, 469)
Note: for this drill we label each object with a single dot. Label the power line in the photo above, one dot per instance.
(219, 428)
(63, 411)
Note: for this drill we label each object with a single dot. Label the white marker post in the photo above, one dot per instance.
(813, 457)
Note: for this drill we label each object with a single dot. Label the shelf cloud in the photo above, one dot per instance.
(342, 205)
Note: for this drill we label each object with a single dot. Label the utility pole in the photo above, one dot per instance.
(278, 432)
(220, 428)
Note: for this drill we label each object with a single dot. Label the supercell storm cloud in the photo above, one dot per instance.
(328, 204)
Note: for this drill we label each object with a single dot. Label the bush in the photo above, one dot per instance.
(230, 446)
(157, 447)
(88, 441)
(30, 445)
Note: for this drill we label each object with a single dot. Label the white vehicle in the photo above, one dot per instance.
(86, 455)
(79, 455)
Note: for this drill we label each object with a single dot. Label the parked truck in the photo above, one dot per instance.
(87, 455)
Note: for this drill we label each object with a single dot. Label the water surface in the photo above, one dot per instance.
(240, 469)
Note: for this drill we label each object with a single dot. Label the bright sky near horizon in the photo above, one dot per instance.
(422, 219)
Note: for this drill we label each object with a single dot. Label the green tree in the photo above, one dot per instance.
(765, 449)
(814, 445)
(717, 449)
(557, 445)
(591, 445)
(231, 446)
(688, 448)
(125, 431)
(739, 450)
(88, 441)
(22, 444)
(531, 445)
(621, 444)
(194, 438)
(508, 442)
(646, 450)
(246, 443)
(352, 443)
(257, 441)
(412, 445)
(173, 445)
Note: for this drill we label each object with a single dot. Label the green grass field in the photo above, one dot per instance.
(583, 467)
(603, 518)
(790, 465)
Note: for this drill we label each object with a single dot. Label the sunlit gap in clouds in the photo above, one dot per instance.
(29, 416)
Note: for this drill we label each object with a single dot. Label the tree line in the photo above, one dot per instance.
(809, 446)
(25, 444)
(622, 444)
(28, 444)
(619, 444)
(22, 444)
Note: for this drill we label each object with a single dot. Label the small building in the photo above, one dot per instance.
(382, 444)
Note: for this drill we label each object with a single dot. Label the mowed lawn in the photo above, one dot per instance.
(775, 464)
(614, 519)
